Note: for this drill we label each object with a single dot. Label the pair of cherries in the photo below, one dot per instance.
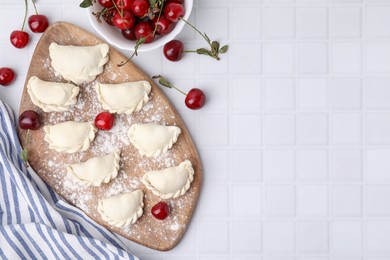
(19, 38)
(37, 24)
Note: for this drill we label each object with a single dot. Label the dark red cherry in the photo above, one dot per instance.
(144, 30)
(129, 34)
(19, 39)
(104, 121)
(195, 99)
(164, 26)
(38, 23)
(106, 3)
(29, 119)
(140, 8)
(173, 11)
(7, 75)
(160, 210)
(123, 4)
(173, 50)
(126, 21)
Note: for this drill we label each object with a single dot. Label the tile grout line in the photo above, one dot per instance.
(330, 136)
(296, 129)
(230, 153)
(363, 189)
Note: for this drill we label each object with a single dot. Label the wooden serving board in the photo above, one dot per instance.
(51, 165)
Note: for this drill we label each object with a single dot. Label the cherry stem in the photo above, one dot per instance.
(159, 15)
(196, 29)
(36, 11)
(28, 136)
(24, 152)
(135, 53)
(25, 14)
(185, 94)
(116, 7)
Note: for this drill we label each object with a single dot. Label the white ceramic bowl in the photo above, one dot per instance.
(113, 35)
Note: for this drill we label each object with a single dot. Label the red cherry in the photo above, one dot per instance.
(123, 4)
(124, 22)
(160, 210)
(140, 8)
(104, 121)
(173, 11)
(7, 75)
(38, 23)
(173, 50)
(129, 34)
(109, 17)
(29, 119)
(106, 3)
(144, 30)
(195, 99)
(19, 39)
(164, 26)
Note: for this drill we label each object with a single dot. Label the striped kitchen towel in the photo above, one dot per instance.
(35, 222)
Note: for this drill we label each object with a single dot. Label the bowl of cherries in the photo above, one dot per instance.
(139, 25)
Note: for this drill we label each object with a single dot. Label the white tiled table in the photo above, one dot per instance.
(295, 138)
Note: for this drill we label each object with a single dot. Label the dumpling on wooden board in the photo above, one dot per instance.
(123, 98)
(96, 170)
(152, 139)
(170, 182)
(122, 209)
(79, 64)
(52, 96)
(70, 136)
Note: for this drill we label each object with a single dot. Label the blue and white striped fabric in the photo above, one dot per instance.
(35, 222)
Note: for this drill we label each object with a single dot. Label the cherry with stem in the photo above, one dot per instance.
(20, 38)
(195, 98)
(37, 22)
(28, 120)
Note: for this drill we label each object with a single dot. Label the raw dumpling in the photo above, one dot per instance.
(70, 136)
(96, 170)
(152, 139)
(123, 98)
(52, 96)
(170, 182)
(122, 209)
(78, 64)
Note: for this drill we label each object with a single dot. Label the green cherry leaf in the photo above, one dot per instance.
(162, 81)
(86, 3)
(224, 49)
(215, 46)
